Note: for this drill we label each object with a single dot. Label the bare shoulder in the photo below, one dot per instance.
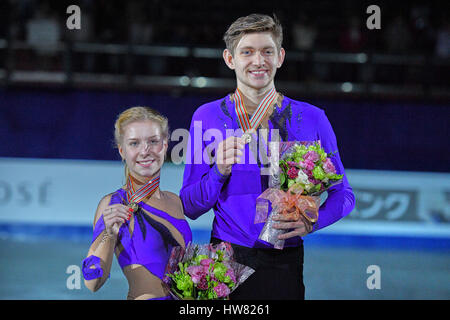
(105, 200)
(102, 205)
(174, 204)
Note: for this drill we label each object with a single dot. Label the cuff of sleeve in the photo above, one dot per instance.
(217, 175)
(90, 273)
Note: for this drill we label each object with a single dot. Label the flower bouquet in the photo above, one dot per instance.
(204, 272)
(305, 171)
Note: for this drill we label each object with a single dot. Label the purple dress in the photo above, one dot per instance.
(149, 245)
(233, 198)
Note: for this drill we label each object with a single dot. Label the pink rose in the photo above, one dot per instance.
(328, 166)
(292, 173)
(314, 181)
(206, 262)
(307, 164)
(222, 290)
(231, 274)
(292, 164)
(203, 284)
(206, 269)
(196, 273)
(308, 173)
(312, 156)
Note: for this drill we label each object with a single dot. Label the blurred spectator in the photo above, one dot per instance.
(110, 27)
(5, 18)
(43, 31)
(398, 36)
(20, 12)
(442, 48)
(140, 29)
(352, 38)
(83, 61)
(304, 34)
(422, 31)
(180, 35)
(208, 35)
(43, 34)
(310, 26)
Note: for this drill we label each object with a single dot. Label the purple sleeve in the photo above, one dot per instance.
(202, 182)
(341, 199)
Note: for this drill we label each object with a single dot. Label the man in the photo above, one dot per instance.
(257, 114)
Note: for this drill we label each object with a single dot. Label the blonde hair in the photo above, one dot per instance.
(251, 24)
(138, 114)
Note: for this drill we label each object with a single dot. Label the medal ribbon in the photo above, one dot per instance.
(260, 112)
(143, 192)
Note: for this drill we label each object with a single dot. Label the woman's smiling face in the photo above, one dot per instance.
(143, 148)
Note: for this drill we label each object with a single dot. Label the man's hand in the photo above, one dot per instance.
(228, 153)
(301, 227)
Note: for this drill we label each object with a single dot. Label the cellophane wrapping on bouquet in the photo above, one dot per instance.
(204, 272)
(302, 171)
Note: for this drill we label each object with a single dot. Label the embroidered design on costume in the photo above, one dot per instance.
(278, 119)
(163, 231)
(223, 107)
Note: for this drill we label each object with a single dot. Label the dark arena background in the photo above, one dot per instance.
(384, 85)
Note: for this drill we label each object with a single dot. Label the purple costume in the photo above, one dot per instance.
(149, 245)
(233, 198)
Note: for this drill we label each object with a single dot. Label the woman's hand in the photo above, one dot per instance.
(114, 216)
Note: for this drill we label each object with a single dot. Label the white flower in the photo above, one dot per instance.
(309, 187)
(302, 177)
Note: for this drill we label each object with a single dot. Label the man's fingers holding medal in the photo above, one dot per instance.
(300, 227)
(231, 147)
(228, 153)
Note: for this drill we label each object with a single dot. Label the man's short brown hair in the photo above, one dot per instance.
(250, 24)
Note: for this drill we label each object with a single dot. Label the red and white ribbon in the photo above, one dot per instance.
(250, 125)
(134, 197)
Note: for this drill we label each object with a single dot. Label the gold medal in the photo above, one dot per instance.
(134, 206)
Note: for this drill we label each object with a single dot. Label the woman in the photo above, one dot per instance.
(139, 222)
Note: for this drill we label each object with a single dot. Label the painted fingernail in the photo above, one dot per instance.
(130, 209)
